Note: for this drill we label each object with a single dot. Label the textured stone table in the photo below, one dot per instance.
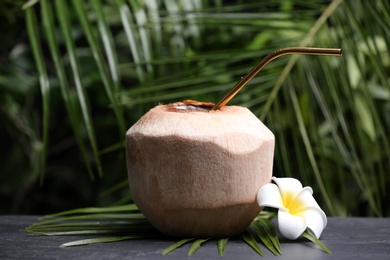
(347, 238)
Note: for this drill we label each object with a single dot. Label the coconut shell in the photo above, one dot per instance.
(195, 172)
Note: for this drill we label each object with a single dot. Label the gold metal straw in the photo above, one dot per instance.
(270, 57)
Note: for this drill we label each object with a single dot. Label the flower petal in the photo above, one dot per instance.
(290, 226)
(315, 220)
(288, 186)
(269, 196)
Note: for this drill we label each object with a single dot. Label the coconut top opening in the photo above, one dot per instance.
(190, 106)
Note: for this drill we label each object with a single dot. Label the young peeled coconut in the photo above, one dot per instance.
(195, 172)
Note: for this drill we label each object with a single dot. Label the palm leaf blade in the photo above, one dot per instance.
(222, 244)
(63, 16)
(309, 235)
(251, 241)
(176, 245)
(99, 240)
(196, 245)
(44, 83)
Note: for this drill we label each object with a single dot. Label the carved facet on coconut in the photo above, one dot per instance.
(195, 172)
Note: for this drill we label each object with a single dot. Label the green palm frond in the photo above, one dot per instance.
(329, 115)
(125, 222)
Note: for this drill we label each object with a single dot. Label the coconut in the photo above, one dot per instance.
(195, 172)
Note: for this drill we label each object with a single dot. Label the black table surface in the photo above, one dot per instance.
(347, 238)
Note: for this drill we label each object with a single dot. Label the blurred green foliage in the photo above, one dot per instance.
(74, 75)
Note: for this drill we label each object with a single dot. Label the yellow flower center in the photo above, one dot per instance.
(292, 203)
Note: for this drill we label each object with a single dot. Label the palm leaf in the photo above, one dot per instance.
(251, 241)
(90, 241)
(269, 231)
(121, 208)
(44, 83)
(176, 245)
(108, 43)
(196, 245)
(263, 236)
(125, 222)
(112, 224)
(128, 25)
(222, 243)
(309, 235)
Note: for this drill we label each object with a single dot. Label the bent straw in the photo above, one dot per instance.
(270, 57)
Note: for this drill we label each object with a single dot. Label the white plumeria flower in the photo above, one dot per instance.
(298, 209)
